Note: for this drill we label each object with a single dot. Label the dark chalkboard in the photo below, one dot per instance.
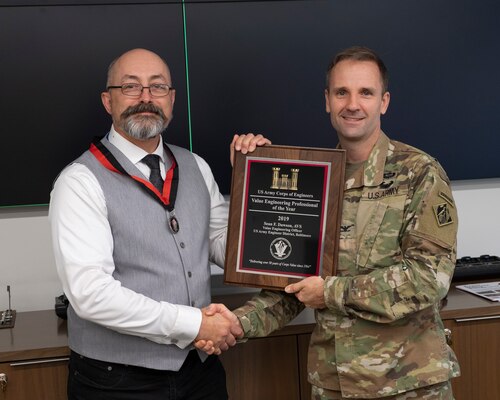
(252, 66)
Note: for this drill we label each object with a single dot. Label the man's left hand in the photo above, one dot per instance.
(309, 291)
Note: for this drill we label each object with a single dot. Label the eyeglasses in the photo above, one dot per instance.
(135, 89)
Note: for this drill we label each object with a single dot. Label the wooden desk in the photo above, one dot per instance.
(34, 354)
(34, 357)
(475, 326)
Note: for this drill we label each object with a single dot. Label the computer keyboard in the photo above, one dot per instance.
(470, 268)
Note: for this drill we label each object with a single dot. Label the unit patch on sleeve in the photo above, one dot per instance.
(443, 215)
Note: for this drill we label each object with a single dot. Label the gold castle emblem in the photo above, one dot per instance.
(283, 181)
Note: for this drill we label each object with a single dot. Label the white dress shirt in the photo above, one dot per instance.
(83, 249)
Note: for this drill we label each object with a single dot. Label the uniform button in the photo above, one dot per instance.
(182, 245)
(190, 274)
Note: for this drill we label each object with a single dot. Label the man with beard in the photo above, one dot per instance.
(135, 223)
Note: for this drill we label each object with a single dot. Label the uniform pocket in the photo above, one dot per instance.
(375, 213)
(381, 222)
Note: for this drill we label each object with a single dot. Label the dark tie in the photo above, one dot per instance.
(153, 162)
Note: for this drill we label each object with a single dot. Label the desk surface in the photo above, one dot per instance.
(460, 304)
(37, 334)
(41, 334)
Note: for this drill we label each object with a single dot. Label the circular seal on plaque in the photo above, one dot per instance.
(280, 248)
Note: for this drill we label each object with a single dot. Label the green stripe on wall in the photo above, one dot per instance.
(188, 90)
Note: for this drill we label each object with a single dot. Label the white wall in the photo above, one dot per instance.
(26, 260)
(27, 263)
(478, 203)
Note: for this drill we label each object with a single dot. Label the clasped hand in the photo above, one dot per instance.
(219, 329)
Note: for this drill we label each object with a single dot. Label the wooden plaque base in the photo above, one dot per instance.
(284, 217)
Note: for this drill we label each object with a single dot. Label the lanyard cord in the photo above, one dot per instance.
(166, 199)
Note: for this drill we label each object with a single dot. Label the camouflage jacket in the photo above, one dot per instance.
(381, 333)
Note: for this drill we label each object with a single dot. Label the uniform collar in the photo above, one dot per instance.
(372, 173)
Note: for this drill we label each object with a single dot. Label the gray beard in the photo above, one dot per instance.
(144, 127)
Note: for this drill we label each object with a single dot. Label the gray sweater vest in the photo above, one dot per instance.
(149, 258)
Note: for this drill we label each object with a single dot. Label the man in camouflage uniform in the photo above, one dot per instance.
(378, 331)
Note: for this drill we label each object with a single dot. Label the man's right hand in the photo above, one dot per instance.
(219, 329)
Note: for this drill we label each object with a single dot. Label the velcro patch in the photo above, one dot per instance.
(442, 214)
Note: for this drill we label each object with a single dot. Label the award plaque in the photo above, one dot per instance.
(284, 216)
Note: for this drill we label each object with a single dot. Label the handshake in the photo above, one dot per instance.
(219, 329)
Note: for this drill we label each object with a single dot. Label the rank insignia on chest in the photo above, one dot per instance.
(442, 213)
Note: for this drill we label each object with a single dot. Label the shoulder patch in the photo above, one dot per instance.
(446, 198)
(442, 214)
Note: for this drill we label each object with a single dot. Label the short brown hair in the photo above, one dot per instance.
(360, 53)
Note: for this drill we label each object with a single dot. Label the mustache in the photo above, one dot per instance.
(143, 107)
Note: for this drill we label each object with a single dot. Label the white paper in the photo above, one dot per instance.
(487, 290)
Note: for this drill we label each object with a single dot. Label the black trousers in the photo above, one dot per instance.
(100, 380)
